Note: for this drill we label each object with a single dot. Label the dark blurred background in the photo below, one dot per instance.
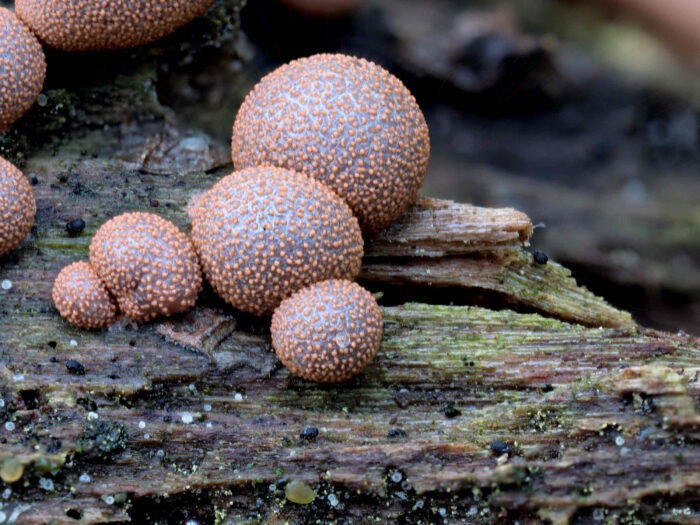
(583, 116)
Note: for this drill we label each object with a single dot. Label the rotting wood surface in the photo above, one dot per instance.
(205, 424)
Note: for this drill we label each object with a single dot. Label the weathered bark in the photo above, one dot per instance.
(194, 418)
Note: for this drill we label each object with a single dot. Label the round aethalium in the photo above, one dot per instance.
(263, 233)
(148, 265)
(81, 297)
(23, 68)
(345, 121)
(327, 332)
(17, 207)
(81, 25)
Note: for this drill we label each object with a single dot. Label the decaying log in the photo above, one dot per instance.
(598, 422)
(204, 422)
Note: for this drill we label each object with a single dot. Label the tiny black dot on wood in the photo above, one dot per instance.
(74, 367)
(34, 181)
(154, 203)
(396, 433)
(75, 227)
(54, 445)
(540, 257)
(53, 359)
(450, 411)
(87, 404)
(75, 514)
(309, 433)
(52, 344)
(547, 388)
(500, 447)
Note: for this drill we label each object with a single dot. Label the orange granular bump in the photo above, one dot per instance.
(345, 121)
(79, 25)
(148, 265)
(82, 298)
(23, 68)
(327, 332)
(263, 233)
(17, 207)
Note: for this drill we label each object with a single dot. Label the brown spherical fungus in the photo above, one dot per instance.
(263, 233)
(148, 265)
(344, 121)
(81, 25)
(327, 332)
(81, 297)
(322, 8)
(17, 207)
(23, 67)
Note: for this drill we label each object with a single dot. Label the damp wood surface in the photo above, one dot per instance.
(195, 418)
(503, 391)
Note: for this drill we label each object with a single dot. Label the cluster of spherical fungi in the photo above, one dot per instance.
(326, 148)
(140, 264)
(70, 25)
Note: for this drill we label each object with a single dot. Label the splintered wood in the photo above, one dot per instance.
(438, 228)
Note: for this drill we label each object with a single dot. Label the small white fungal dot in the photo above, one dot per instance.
(6, 493)
(396, 477)
(6, 284)
(142, 424)
(191, 386)
(18, 377)
(333, 500)
(46, 484)
(2, 402)
(619, 441)
(442, 511)
(84, 478)
(207, 408)
(146, 436)
(187, 418)
(73, 342)
(9, 426)
(3, 517)
(238, 397)
(92, 415)
(209, 425)
(160, 453)
(109, 500)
